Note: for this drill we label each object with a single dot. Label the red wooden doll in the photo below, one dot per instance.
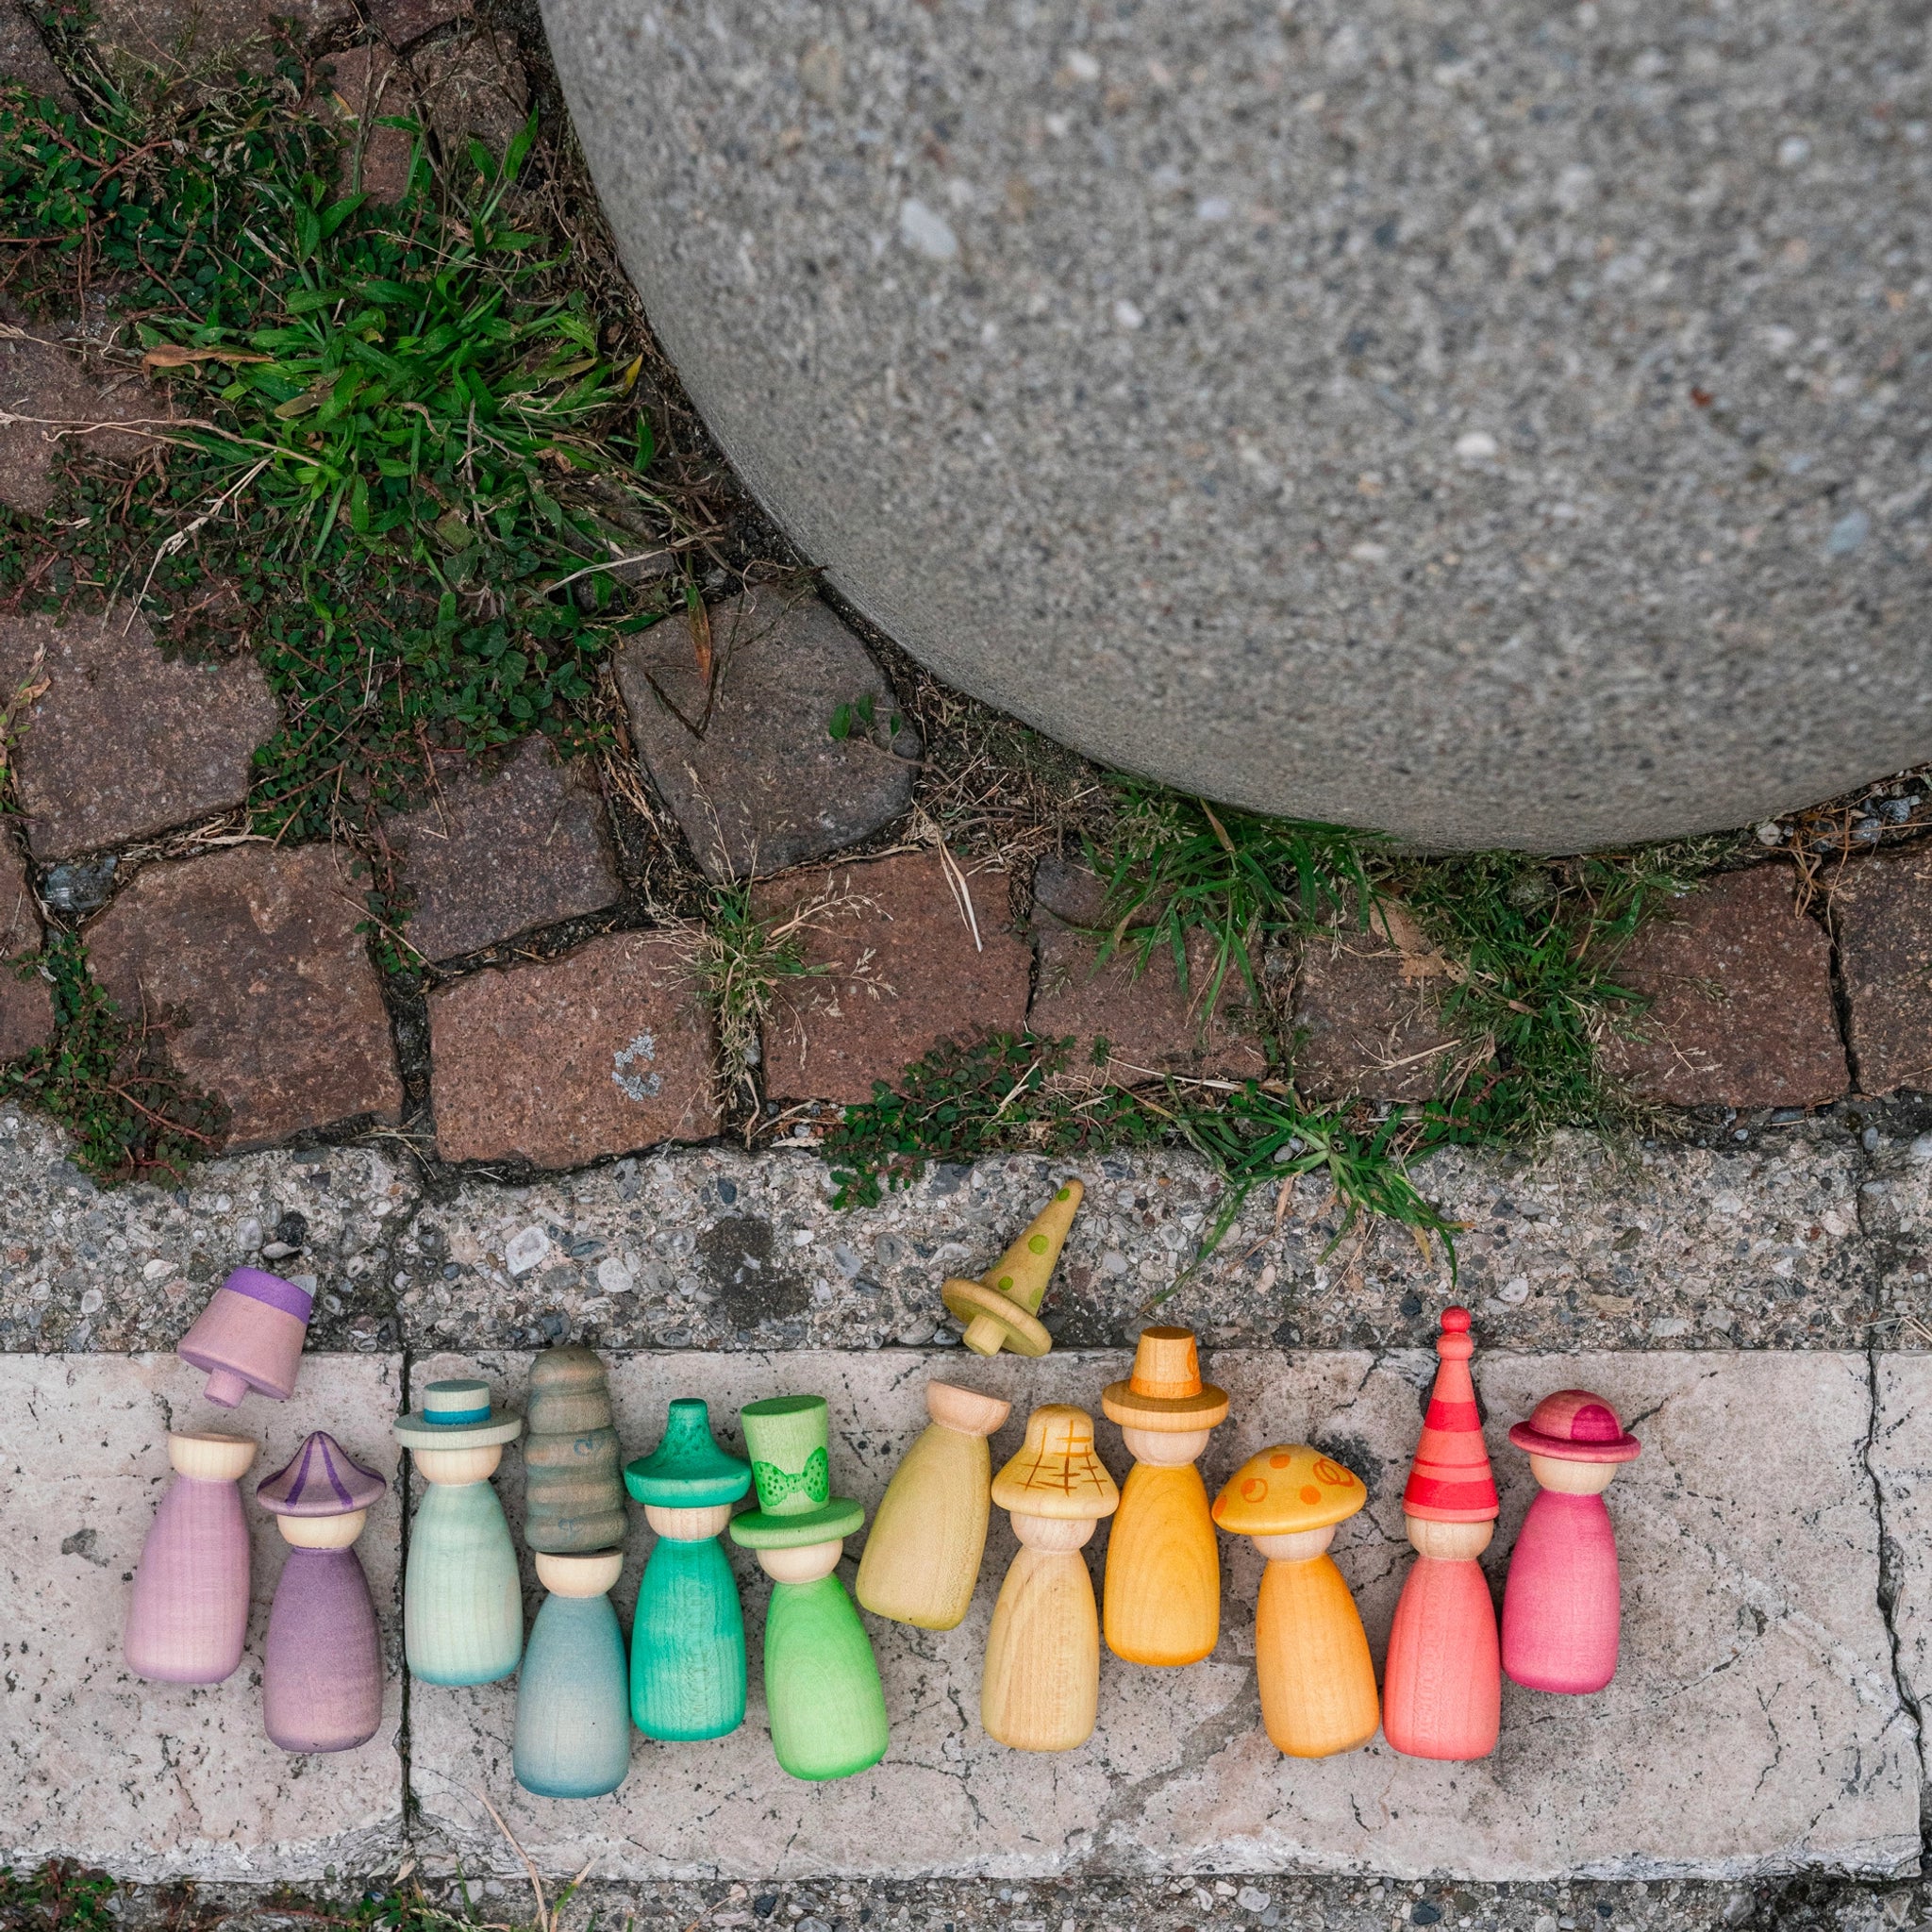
(1562, 1602)
(1443, 1687)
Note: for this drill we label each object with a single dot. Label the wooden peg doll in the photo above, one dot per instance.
(822, 1694)
(189, 1616)
(463, 1599)
(1562, 1602)
(572, 1493)
(1002, 1310)
(1161, 1603)
(921, 1560)
(687, 1638)
(1311, 1656)
(1040, 1690)
(1443, 1681)
(249, 1337)
(573, 1734)
(322, 1665)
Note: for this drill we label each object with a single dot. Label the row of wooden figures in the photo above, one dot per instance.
(684, 1676)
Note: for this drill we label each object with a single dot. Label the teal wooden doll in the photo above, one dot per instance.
(572, 1729)
(822, 1682)
(463, 1599)
(687, 1639)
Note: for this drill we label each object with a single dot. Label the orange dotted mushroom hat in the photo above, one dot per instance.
(1573, 1425)
(1287, 1490)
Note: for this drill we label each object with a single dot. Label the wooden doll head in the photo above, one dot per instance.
(965, 1410)
(208, 1455)
(321, 1497)
(688, 1483)
(1002, 1309)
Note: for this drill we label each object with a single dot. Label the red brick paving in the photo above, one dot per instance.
(1360, 1027)
(250, 961)
(1883, 911)
(601, 1051)
(27, 1005)
(901, 975)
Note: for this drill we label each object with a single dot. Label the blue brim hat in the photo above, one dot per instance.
(458, 1414)
(687, 1470)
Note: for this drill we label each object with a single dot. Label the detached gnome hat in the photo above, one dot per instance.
(249, 1337)
(1002, 1308)
(321, 1479)
(786, 1437)
(1450, 1479)
(687, 1470)
(1165, 1392)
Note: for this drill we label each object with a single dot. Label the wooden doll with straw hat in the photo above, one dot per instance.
(1162, 1600)
(462, 1598)
(822, 1694)
(1002, 1309)
(1443, 1683)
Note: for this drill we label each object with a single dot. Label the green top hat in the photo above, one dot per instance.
(787, 1438)
(458, 1414)
(687, 1470)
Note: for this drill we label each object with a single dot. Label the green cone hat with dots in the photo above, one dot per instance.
(786, 1439)
(1002, 1308)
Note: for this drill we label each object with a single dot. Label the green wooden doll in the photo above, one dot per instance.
(822, 1694)
(687, 1639)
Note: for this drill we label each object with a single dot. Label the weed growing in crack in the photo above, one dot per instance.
(59, 1895)
(740, 960)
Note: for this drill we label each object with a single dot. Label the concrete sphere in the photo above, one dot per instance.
(1497, 422)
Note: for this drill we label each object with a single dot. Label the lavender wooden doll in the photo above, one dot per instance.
(190, 1612)
(322, 1666)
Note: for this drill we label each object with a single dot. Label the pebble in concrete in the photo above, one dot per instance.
(165, 1780)
(497, 853)
(1883, 911)
(565, 1060)
(1741, 990)
(1362, 1026)
(1755, 1721)
(896, 970)
(252, 963)
(751, 769)
(126, 743)
(27, 1005)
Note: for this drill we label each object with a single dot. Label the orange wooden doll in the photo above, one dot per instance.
(1443, 1687)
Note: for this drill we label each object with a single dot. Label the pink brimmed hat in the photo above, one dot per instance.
(1573, 1425)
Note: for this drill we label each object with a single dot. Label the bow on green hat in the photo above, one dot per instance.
(787, 1438)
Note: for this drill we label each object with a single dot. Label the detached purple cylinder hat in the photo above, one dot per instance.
(249, 1337)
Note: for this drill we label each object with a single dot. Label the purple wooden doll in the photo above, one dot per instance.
(322, 1665)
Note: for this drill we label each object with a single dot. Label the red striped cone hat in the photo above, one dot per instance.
(1450, 1480)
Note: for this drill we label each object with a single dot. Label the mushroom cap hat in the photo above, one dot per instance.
(1573, 1425)
(322, 1478)
(1286, 1490)
(1165, 1392)
(687, 1470)
(1056, 1471)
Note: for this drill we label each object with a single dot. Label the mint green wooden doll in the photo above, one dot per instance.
(822, 1682)
(462, 1598)
(687, 1639)
(573, 1736)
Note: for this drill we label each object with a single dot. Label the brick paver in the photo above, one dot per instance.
(250, 962)
(1362, 1024)
(43, 384)
(499, 852)
(1741, 1012)
(757, 780)
(367, 85)
(125, 742)
(899, 974)
(1883, 911)
(27, 1005)
(566, 1061)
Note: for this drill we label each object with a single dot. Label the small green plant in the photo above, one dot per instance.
(740, 960)
(57, 1896)
(861, 713)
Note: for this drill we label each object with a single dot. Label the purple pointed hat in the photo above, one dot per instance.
(321, 1479)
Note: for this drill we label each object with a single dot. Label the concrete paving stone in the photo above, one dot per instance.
(1900, 1461)
(366, 84)
(751, 770)
(1882, 912)
(1741, 1012)
(1361, 1025)
(27, 1003)
(1895, 1214)
(603, 1050)
(251, 960)
(897, 973)
(472, 88)
(24, 57)
(41, 382)
(497, 853)
(124, 742)
(163, 1780)
(1755, 1723)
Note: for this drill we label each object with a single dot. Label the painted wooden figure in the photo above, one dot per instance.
(921, 1560)
(573, 1492)
(1040, 1690)
(189, 1616)
(1311, 1655)
(1002, 1309)
(687, 1638)
(249, 1337)
(321, 1664)
(463, 1599)
(1161, 1603)
(1562, 1602)
(1442, 1682)
(573, 1734)
(823, 1695)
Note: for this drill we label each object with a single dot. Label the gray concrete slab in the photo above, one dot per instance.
(164, 1781)
(1755, 1723)
(1901, 1459)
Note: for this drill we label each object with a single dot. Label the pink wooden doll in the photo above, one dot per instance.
(1562, 1602)
(1443, 1686)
